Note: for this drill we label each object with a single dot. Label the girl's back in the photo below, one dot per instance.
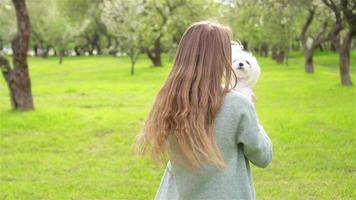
(240, 138)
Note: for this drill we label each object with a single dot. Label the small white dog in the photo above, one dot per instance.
(246, 68)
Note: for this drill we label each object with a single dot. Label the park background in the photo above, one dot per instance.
(95, 67)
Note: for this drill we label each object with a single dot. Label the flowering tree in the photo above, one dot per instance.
(126, 21)
(52, 26)
(7, 23)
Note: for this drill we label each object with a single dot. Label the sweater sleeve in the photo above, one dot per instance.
(256, 144)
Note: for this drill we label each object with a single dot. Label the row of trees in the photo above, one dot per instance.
(152, 27)
(104, 26)
(283, 25)
(149, 27)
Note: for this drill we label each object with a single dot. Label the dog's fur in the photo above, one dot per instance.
(246, 68)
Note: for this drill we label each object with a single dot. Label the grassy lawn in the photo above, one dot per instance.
(77, 144)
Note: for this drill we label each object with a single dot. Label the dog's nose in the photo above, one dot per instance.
(241, 66)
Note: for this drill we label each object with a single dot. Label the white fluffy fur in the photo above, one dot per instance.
(246, 68)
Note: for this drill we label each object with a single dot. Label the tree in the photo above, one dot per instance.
(124, 20)
(345, 19)
(191, 11)
(311, 39)
(95, 35)
(160, 14)
(53, 28)
(17, 77)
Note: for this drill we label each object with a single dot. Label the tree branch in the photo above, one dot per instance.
(349, 14)
(173, 7)
(164, 17)
(305, 28)
(338, 25)
(331, 4)
(5, 67)
(319, 36)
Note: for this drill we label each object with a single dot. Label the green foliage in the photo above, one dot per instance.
(125, 21)
(168, 19)
(7, 22)
(77, 144)
(193, 11)
(137, 25)
(266, 21)
(95, 30)
(51, 24)
(322, 17)
(90, 25)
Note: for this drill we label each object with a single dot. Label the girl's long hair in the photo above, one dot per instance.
(181, 121)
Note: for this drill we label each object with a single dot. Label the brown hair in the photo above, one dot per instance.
(186, 105)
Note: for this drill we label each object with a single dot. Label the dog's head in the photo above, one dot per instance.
(245, 65)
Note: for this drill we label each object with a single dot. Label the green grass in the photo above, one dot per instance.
(77, 144)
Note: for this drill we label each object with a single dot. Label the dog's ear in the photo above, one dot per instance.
(237, 46)
(234, 42)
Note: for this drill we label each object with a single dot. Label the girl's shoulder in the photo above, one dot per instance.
(237, 98)
(238, 101)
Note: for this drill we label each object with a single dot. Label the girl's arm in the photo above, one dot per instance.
(256, 144)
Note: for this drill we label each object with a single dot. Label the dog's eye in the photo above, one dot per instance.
(247, 62)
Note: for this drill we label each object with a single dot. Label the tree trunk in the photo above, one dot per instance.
(274, 52)
(96, 43)
(156, 59)
(90, 51)
(155, 54)
(98, 49)
(309, 64)
(245, 45)
(77, 51)
(35, 49)
(344, 60)
(321, 48)
(280, 57)
(303, 37)
(343, 13)
(61, 54)
(308, 58)
(1, 45)
(332, 47)
(264, 50)
(109, 41)
(45, 52)
(132, 68)
(17, 78)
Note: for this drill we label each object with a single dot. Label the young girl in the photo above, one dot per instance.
(209, 132)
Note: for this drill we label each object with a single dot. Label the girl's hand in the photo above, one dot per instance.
(254, 99)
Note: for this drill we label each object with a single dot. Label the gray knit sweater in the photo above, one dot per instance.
(242, 140)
